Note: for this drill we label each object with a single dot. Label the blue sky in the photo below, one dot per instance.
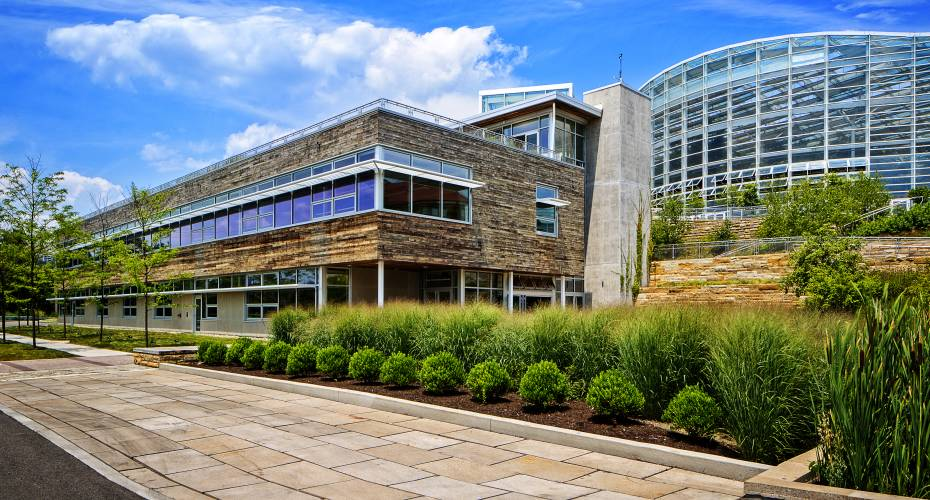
(113, 92)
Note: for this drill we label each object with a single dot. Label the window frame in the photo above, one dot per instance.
(554, 220)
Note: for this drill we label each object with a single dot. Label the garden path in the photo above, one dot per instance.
(186, 436)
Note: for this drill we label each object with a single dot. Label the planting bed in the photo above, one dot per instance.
(574, 415)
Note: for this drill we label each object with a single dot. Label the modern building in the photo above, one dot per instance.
(492, 99)
(532, 203)
(777, 110)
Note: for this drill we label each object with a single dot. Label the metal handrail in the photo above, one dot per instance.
(379, 104)
(729, 248)
(720, 213)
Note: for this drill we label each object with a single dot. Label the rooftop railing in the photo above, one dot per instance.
(707, 249)
(380, 104)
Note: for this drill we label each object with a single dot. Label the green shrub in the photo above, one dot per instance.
(611, 394)
(915, 219)
(767, 381)
(365, 365)
(236, 350)
(694, 411)
(254, 357)
(543, 384)
(285, 324)
(669, 226)
(276, 357)
(441, 373)
(723, 232)
(487, 380)
(211, 352)
(333, 361)
(876, 435)
(301, 360)
(399, 370)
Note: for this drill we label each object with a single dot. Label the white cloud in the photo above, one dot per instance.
(253, 135)
(283, 63)
(166, 159)
(83, 190)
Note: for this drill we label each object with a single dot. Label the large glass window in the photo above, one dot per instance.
(427, 197)
(129, 307)
(260, 304)
(322, 200)
(455, 202)
(366, 191)
(163, 312)
(337, 286)
(546, 212)
(396, 192)
(283, 210)
(484, 287)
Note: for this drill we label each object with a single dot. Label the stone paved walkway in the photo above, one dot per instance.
(186, 436)
(84, 357)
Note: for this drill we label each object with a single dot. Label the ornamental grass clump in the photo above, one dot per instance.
(543, 385)
(694, 411)
(442, 373)
(286, 323)
(301, 360)
(211, 352)
(487, 380)
(254, 357)
(365, 365)
(276, 357)
(399, 370)
(333, 361)
(236, 350)
(613, 395)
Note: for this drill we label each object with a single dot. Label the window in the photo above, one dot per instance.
(484, 287)
(79, 307)
(208, 306)
(282, 210)
(344, 195)
(103, 308)
(396, 192)
(249, 217)
(266, 213)
(427, 197)
(163, 312)
(302, 205)
(366, 191)
(455, 201)
(322, 200)
(260, 304)
(546, 213)
(129, 307)
(337, 286)
(235, 220)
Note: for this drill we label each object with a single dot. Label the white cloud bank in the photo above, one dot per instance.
(287, 66)
(253, 135)
(83, 191)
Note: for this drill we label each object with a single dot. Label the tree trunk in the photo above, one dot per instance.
(64, 316)
(100, 313)
(145, 311)
(32, 313)
(3, 318)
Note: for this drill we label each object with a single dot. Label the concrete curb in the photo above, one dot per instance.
(109, 473)
(663, 455)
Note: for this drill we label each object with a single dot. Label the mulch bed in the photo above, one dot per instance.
(573, 415)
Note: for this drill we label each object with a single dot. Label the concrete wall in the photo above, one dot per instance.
(616, 193)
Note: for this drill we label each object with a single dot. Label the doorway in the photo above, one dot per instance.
(198, 316)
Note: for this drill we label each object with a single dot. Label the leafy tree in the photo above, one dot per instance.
(723, 232)
(920, 192)
(67, 259)
(35, 203)
(11, 269)
(830, 272)
(809, 205)
(146, 251)
(696, 201)
(103, 261)
(670, 227)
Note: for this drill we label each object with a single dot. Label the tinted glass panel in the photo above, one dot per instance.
(301, 205)
(455, 202)
(396, 191)
(366, 191)
(282, 210)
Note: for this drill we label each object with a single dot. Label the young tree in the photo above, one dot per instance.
(102, 264)
(11, 268)
(35, 202)
(68, 259)
(146, 250)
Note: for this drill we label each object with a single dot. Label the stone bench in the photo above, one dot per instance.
(153, 356)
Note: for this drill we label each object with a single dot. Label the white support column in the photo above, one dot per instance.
(321, 288)
(380, 283)
(461, 287)
(508, 292)
(562, 290)
(552, 128)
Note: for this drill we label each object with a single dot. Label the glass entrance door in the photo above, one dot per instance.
(198, 315)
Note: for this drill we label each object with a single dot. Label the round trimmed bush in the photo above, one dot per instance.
(333, 361)
(694, 411)
(301, 361)
(202, 348)
(442, 373)
(254, 357)
(365, 365)
(543, 384)
(612, 394)
(487, 380)
(211, 352)
(399, 370)
(236, 350)
(276, 357)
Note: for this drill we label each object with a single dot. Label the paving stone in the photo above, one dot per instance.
(535, 486)
(98, 423)
(345, 409)
(627, 485)
(217, 421)
(181, 493)
(696, 494)
(183, 410)
(332, 418)
(353, 440)
(374, 428)
(246, 411)
(255, 458)
(478, 453)
(330, 455)
(148, 478)
(383, 472)
(311, 429)
(116, 460)
(403, 454)
(609, 495)
(484, 437)
(214, 478)
(175, 428)
(423, 440)
(260, 490)
(300, 475)
(543, 449)
(544, 468)
(275, 419)
(618, 465)
(387, 417)
(431, 426)
(217, 444)
(702, 481)
(464, 470)
(356, 488)
(133, 441)
(444, 487)
(177, 461)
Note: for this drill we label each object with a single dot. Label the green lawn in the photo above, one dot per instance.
(117, 339)
(14, 351)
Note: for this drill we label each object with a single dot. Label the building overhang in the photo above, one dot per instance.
(529, 106)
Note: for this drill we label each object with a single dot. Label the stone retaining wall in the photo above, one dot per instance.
(743, 229)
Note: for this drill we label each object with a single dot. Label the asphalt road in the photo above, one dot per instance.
(32, 467)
